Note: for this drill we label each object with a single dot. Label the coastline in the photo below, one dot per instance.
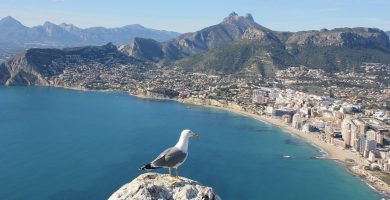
(331, 152)
(351, 160)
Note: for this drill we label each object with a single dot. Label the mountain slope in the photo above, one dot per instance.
(230, 29)
(36, 66)
(242, 56)
(332, 51)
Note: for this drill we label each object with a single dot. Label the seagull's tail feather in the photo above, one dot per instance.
(148, 167)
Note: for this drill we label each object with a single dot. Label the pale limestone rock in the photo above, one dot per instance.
(151, 186)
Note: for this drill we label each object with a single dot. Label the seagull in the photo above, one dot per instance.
(174, 156)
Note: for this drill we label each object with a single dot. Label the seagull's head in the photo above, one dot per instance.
(189, 134)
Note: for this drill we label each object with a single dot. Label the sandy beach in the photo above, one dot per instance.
(333, 152)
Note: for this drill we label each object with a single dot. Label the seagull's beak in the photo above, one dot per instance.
(195, 135)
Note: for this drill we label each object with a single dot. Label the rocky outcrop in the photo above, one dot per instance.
(19, 71)
(147, 49)
(266, 37)
(349, 37)
(150, 186)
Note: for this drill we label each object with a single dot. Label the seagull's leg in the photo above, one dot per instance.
(170, 171)
(177, 172)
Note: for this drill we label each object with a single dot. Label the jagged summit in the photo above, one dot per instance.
(70, 27)
(249, 16)
(234, 17)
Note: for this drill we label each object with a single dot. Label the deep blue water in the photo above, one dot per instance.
(64, 144)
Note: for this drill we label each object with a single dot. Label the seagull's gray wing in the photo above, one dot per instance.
(169, 158)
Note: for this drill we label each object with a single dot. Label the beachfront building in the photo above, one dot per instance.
(297, 121)
(346, 131)
(362, 143)
(370, 143)
(278, 113)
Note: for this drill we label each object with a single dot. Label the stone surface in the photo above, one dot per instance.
(150, 186)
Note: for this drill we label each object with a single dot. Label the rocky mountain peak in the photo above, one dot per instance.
(243, 22)
(10, 22)
(69, 27)
(51, 29)
(48, 24)
(234, 17)
(110, 45)
(233, 14)
(135, 26)
(249, 16)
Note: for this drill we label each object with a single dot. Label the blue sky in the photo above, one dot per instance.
(186, 15)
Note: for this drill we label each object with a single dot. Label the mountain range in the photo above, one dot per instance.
(14, 36)
(237, 45)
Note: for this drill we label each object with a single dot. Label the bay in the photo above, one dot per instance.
(65, 144)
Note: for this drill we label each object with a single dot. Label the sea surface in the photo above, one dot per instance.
(65, 144)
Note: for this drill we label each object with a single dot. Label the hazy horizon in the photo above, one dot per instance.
(174, 15)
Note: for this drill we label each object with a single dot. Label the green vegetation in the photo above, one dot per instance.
(335, 58)
(251, 55)
(254, 56)
(166, 92)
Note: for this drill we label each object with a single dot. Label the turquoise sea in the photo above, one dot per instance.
(64, 144)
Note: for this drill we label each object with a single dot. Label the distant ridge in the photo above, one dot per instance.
(14, 36)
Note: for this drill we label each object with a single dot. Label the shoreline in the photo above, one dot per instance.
(329, 151)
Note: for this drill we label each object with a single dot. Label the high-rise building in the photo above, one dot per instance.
(362, 144)
(346, 131)
(379, 138)
(370, 141)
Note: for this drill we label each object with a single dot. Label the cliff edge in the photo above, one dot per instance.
(150, 186)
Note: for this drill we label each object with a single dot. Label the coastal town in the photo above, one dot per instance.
(338, 119)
